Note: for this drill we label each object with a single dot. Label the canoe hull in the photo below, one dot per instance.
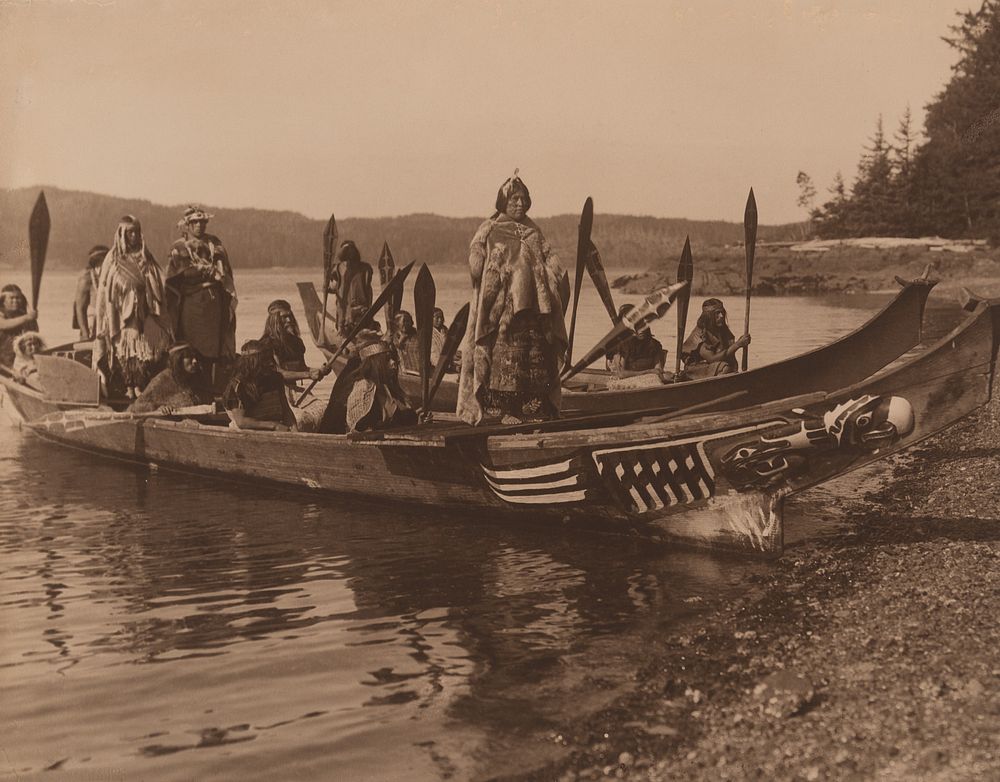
(717, 480)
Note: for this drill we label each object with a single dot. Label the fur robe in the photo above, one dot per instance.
(513, 269)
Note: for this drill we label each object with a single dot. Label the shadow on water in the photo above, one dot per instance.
(487, 630)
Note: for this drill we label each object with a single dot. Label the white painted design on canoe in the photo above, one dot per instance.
(528, 472)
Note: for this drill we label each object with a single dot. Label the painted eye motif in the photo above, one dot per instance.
(864, 420)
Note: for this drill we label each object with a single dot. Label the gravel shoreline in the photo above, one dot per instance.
(872, 654)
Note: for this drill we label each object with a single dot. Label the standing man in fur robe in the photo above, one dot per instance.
(201, 293)
(516, 341)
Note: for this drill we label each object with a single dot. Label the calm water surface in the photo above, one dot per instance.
(162, 626)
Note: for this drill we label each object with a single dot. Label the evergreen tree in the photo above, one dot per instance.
(870, 209)
(956, 174)
(950, 184)
(828, 220)
(902, 161)
(807, 197)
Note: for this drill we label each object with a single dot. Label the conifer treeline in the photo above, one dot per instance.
(947, 184)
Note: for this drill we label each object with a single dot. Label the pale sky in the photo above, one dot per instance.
(671, 108)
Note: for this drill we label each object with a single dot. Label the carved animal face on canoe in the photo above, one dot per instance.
(857, 425)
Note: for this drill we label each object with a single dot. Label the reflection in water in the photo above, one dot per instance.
(171, 613)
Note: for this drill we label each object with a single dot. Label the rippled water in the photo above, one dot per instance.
(162, 626)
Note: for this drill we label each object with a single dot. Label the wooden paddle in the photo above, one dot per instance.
(329, 259)
(66, 381)
(750, 245)
(38, 239)
(596, 269)
(564, 293)
(456, 331)
(424, 295)
(582, 251)
(685, 273)
(389, 290)
(655, 306)
(386, 269)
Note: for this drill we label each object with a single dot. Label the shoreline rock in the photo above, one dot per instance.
(782, 271)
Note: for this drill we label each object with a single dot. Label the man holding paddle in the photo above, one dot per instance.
(710, 349)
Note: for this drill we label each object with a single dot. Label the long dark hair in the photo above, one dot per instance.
(21, 308)
(289, 346)
(254, 362)
(706, 322)
(175, 360)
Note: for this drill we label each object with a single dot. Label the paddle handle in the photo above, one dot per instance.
(750, 245)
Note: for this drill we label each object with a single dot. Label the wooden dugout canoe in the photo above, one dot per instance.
(895, 329)
(716, 480)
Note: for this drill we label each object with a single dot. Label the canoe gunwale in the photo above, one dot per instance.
(876, 333)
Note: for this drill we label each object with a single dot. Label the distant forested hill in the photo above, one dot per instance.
(261, 238)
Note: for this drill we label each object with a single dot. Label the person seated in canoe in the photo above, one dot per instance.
(405, 343)
(16, 318)
(711, 348)
(351, 283)
(201, 293)
(638, 361)
(255, 397)
(86, 291)
(515, 344)
(367, 395)
(26, 345)
(183, 383)
(281, 332)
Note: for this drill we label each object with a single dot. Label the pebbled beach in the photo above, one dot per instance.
(868, 654)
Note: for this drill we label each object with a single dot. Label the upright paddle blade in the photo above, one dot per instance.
(424, 295)
(685, 273)
(456, 331)
(329, 261)
(564, 292)
(596, 269)
(582, 251)
(750, 244)
(38, 239)
(386, 269)
(655, 306)
(389, 290)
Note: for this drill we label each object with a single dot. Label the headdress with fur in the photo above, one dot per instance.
(195, 214)
(507, 188)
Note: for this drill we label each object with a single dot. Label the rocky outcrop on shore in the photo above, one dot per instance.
(869, 655)
(786, 269)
